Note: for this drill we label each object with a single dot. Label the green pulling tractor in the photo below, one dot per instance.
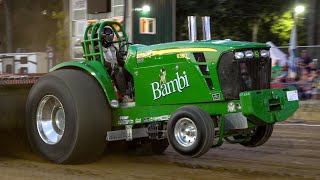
(193, 95)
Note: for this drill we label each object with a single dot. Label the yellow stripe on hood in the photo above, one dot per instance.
(176, 50)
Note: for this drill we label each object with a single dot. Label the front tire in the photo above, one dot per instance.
(67, 117)
(190, 131)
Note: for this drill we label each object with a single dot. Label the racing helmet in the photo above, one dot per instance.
(107, 35)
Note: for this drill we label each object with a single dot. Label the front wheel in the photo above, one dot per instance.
(190, 131)
(67, 117)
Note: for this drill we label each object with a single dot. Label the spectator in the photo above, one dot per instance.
(316, 85)
(306, 60)
(284, 73)
(290, 81)
(314, 65)
(277, 83)
(276, 69)
(305, 85)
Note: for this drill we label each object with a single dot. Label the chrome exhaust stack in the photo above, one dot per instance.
(206, 28)
(192, 28)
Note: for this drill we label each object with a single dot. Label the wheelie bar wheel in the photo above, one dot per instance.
(259, 136)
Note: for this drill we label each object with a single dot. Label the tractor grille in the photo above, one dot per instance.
(236, 76)
(200, 58)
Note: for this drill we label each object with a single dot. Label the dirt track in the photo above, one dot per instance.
(293, 152)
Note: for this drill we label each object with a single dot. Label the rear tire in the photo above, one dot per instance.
(79, 120)
(190, 131)
(260, 136)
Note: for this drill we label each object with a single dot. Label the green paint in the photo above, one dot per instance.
(268, 106)
(97, 70)
(168, 76)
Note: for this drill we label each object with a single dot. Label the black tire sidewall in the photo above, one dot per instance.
(261, 136)
(87, 117)
(52, 86)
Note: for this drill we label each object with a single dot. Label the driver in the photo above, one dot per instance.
(110, 55)
(110, 51)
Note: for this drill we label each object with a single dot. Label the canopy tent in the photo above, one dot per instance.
(277, 55)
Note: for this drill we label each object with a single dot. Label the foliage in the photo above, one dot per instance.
(35, 25)
(60, 41)
(282, 26)
(237, 20)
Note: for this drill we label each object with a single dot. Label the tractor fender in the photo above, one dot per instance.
(98, 72)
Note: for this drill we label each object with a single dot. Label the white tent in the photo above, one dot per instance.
(277, 54)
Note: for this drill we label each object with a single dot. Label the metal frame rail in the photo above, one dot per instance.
(26, 79)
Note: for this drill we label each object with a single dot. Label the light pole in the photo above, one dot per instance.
(297, 10)
(293, 41)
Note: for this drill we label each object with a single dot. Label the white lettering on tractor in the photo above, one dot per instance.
(160, 89)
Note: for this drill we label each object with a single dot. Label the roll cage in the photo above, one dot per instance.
(90, 40)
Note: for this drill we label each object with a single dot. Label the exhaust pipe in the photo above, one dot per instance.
(192, 27)
(206, 28)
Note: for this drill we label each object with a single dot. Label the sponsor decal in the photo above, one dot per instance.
(148, 119)
(231, 107)
(164, 88)
(182, 56)
(124, 120)
(245, 94)
(292, 95)
(238, 106)
(145, 54)
(216, 96)
(114, 103)
(163, 76)
(162, 118)
(158, 118)
(138, 120)
(141, 60)
(124, 117)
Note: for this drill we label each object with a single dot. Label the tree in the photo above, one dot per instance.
(282, 27)
(238, 20)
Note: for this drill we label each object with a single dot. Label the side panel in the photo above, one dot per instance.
(97, 70)
(147, 114)
(173, 76)
(260, 107)
(173, 83)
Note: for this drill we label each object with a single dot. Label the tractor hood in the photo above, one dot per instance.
(144, 53)
(218, 45)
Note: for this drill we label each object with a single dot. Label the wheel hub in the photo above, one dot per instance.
(50, 119)
(185, 132)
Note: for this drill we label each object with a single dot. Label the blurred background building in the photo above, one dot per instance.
(56, 26)
(145, 21)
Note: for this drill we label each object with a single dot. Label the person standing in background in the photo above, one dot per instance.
(276, 69)
(306, 60)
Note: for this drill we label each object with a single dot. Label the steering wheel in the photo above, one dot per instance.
(123, 52)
